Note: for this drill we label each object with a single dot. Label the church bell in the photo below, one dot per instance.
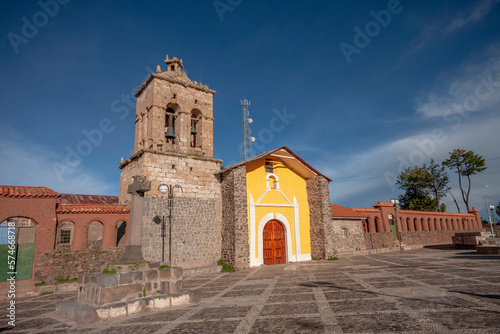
(170, 132)
(193, 130)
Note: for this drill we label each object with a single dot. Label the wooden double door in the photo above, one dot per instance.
(274, 243)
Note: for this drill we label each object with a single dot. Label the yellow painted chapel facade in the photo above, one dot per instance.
(274, 220)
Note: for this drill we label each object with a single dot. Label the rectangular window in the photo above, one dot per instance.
(269, 166)
(344, 232)
(65, 237)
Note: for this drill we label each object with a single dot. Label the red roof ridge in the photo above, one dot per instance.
(92, 208)
(27, 192)
(341, 211)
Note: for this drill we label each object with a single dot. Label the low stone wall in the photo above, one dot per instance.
(49, 267)
(431, 237)
(380, 240)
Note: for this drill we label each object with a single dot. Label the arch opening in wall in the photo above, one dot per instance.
(195, 128)
(22, 232)
(376, 222)
(121, 229)
(170, 123)
(94, 235)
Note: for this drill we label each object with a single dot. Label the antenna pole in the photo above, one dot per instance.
(246, 139)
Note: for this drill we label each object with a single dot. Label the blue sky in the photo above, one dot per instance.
(369, 87)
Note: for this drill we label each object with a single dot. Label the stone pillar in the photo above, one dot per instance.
(320, 214)
(133, 251)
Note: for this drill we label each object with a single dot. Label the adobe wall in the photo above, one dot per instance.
(82, 221)
(235, 240)
(343, 235)
(41, 210)
(320, 216)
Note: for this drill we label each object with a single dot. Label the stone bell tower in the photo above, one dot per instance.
(174, 146)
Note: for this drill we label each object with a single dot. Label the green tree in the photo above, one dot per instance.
(416, 184)
(438, 182)
(465, 163)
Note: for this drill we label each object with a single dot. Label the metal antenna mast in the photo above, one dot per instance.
(246, 139)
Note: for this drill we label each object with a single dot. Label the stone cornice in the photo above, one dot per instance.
(197, 86)
(139, 153)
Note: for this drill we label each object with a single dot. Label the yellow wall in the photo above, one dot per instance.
(291, 184)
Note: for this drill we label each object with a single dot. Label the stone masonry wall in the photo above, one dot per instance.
(196, 230)
(344, 234)
(235, 239)
(431, 237)
(380, 240)
(194, 174)
(51, 266)
(227, 228)
(320, 215)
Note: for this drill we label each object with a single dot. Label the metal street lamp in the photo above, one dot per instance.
(493, 215)
(169, 190)
(486, 202)
(395, 202)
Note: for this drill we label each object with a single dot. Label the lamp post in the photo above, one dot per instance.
(169, 190)
(395, 202)
(486, 202)
(492, 215)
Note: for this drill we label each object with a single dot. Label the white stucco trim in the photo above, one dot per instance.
(296, 221)
(304, 257)
(288, 242)
(252, 232)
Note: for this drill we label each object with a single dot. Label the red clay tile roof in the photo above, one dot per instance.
(92, 208)
(365, 210)
(87, 199)
(378, 204)
(27, 192)
(340, 211)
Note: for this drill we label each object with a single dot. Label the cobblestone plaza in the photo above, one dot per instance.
(430, 290)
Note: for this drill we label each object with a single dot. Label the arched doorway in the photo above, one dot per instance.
(274, 243)
(17, 247)
(121, 227)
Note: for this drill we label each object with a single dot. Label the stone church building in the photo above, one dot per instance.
(265, 210)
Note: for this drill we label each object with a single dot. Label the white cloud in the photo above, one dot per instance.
(480, 11)
(30, 164)
(473, 87)
(377, 168)
(441, 27)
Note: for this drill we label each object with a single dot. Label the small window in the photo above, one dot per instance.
(65, 237)
(269, 166)
(344, 232)
(172, 67)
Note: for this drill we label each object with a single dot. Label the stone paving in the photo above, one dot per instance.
(430, 290)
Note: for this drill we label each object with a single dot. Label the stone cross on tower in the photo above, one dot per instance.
(133, 247)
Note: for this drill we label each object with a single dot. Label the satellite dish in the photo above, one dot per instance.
(250, 121)
(252, 139)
